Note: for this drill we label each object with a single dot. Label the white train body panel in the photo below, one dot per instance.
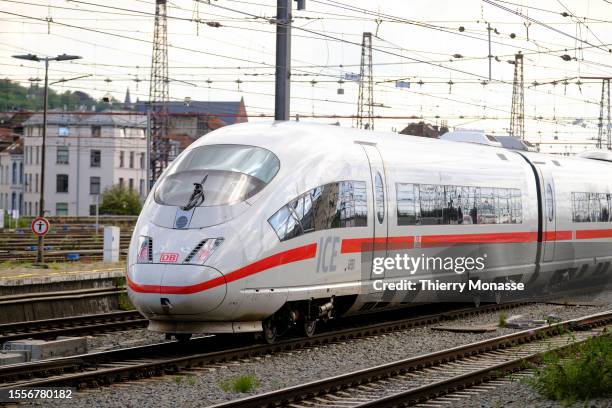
(252, 273)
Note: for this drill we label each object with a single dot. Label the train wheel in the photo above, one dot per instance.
(183, 337)
(270, 331)
(309, 328)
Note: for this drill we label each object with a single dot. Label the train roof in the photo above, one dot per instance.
(323, 137)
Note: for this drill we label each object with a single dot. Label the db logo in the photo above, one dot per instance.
(168, 257)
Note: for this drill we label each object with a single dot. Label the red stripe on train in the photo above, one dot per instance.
(292, 255)
(557, 236)
(591, 234)
(485, 238)
(352, 245)
(356, 245)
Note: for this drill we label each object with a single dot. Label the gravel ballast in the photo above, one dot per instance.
(300, 366)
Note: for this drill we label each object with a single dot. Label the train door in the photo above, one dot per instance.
(379, 198)
(549, 215)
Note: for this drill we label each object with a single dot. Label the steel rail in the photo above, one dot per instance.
(163, 358)
(73, 325)
(344, 382)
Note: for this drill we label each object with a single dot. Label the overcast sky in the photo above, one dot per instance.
(414, 41)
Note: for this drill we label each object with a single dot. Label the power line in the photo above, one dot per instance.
(533, 20)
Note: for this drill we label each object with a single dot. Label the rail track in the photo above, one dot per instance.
(57, 247)
(105, 368)
(23, 310)
(20, 245)
(416, 380)
(72, 326)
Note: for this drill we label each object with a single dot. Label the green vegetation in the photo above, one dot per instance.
(244, 383)
(22, 222)
(124, 299)
(16, 97)
(118, 200)
(579, 373)
(502, 319)
(191, 379)
(124, 302)
(9, 264)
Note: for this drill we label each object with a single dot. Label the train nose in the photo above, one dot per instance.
(174, 289)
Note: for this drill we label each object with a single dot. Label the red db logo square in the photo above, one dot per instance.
(168, 257)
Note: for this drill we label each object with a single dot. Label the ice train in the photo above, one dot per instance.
(264, 226)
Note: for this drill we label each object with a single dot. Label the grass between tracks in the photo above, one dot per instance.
(579, 373)
(243, 383)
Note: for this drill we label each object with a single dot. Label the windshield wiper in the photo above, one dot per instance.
(197, 197)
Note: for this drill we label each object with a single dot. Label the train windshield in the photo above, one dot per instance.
(218, 174)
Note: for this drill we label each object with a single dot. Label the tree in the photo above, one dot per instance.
(14, 96)
(118, 200)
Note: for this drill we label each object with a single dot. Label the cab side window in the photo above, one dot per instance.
(334, 205)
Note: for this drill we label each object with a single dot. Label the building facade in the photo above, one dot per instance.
(85, 154)
(196, 118)
(12, 178)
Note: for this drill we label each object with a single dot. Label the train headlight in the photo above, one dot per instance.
(203, 251)
(145, 249)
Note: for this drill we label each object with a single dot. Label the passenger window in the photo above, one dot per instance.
(334, 205)
(308, 220)
(380, 198)
(591, 207)
(432, 204)
(285, 224)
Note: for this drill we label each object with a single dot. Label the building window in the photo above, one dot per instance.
(63, 131)
(61, 209)
(96, 131)
(62, 183)
(131, 160)
(142, 160)
(94, 185)
(36, 182)
(141, 188)
(95, 158)
(37, 155)
(14, 178)
(121, 158)
(62, 155)
(121, 182)
(131, 184)
(92, 209)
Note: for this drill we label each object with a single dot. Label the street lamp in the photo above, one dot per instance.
(41, 208)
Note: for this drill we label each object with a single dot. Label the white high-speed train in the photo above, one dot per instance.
(260, 227)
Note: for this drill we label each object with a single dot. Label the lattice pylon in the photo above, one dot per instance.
(365, 100)
(605, 125)
(517, 115)
(159, 92)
